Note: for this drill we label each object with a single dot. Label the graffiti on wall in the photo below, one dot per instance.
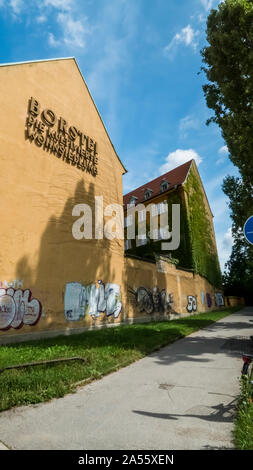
(209, 300)
(92, 299)
(17, 308)
(16, 284)
(152, 300)
(192, 304)
(203, 298)
(219, 299)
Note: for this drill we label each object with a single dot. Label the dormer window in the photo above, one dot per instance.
(164, 186)
(147, 193)
(133, 200)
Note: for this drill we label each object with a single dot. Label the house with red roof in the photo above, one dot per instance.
(197, 249)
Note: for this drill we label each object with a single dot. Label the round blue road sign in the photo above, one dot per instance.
(248, 230)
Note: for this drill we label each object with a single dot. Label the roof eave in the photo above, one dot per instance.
(157, 195)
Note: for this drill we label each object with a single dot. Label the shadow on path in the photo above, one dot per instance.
(220, 413)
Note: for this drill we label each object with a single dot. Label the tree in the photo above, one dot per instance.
(228, 65)
(229, 69)
(238, 276)
(240, 201)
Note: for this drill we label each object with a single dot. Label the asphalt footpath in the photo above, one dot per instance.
(181, 397)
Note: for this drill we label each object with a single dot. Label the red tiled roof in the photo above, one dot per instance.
(174, 177)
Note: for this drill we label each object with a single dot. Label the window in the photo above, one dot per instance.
(128, 220)
(162, 207)
(142, 215)
(127, 244)
(147, 194)
(154, 210)
(164, 186)
(133, 200)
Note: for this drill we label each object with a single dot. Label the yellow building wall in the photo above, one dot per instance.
(190, 293)
(233, 301)
(39, 191)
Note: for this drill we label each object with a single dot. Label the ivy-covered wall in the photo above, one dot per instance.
(197, 250)
(183, 255)
(204, 252)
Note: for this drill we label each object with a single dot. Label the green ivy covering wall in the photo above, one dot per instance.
(197, 250)
(181, 256)
(205, 259)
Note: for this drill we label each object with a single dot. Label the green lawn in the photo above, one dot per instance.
(105, 350)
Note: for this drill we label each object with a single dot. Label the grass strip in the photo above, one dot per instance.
(104, 351)
(243, 431)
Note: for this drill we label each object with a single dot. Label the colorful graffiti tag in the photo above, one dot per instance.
(192, 304)
(16, 284)
(17, 308)
(209, 300)
(152, 300)
(219, 299)
(92, 299)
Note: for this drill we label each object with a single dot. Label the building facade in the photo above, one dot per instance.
(55, 154)
(59, 171)
(197, 249)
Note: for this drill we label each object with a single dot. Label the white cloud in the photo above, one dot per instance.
(227, 241)
(60, 4)
(201, 18)
(186, 123)
(52, 41)
(220, 161)
(179, 157)
(224, 246)
(223, 151)
(207, 4)
(74, 30)
(187, 36)
(16, 6)
(41, 19)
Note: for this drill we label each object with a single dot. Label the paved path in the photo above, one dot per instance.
(182, 397)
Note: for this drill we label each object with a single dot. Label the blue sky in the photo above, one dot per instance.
(140, 59)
